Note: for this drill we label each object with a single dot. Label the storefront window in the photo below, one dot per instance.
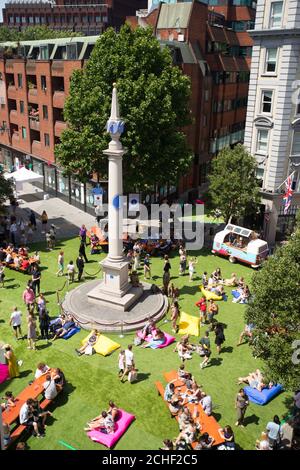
(7, 159)
(37, 166)
(62, 184)
(77, 192)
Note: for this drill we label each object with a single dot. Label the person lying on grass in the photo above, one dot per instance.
(88, 345)
(103, 423)
(255, 380)
(66, 327)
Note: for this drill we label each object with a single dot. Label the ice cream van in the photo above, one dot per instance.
(240, 244)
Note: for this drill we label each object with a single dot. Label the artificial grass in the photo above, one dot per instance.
(92, 380)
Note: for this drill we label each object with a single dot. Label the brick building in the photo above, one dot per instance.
(215, 33)
(87, 16)
(35, 82)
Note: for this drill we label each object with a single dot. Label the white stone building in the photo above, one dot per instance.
(272, 132)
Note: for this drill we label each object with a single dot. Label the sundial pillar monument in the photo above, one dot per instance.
(115, 289)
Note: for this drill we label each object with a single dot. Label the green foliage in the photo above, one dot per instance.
(33, 33)
(275, 311)
(6, 190)
(153, 97)
(233, 186)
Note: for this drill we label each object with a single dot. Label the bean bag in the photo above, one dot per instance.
(4, 375)
(263, 397)
(210, 295)
(109, 440)
(188, 325)
(72, 332)
(168, 339)
(236, 294)
(105, 346)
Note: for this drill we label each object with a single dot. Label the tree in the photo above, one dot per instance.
(234, 189)
(33, 33)
(154, 102)
(275, 312)
(6, 191)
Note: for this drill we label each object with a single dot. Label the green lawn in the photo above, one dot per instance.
(93, 380)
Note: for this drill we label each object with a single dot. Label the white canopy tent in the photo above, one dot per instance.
(23, 176)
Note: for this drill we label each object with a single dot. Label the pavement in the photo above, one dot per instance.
(66, 218)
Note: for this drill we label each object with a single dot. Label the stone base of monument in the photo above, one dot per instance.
(92, 310)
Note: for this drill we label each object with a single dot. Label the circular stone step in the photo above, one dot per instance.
(106, 318)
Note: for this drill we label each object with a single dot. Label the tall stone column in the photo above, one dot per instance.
(115, 289)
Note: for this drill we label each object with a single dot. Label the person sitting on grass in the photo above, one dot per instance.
(10, 401)
(49, 387)
(158, 338)
(59, 378)
(67, 326)
(167, 445)
(103, 422)
(175, 404)
(87, 348)
(26, 417)
(255, 380)
(188, 433)
(41, 369)
(205, 442)
(113, 411)
(232, 281)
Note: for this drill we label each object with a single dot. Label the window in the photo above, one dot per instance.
(44, 53)
(43, 20)
(276, 14)
(20, 80)
(4, 125)
(24, 132)
(296, 143)
(43, 82)
(271, 60)
(206, 95)
(17, 19)
(37, 20)
(23, 19)
(22, 107)
(72, 52)
(45, 111)
(11, 19)
(31, 20)
(266, 101)
(262, 140)
(47, 140)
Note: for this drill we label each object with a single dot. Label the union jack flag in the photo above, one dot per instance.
(288, 194)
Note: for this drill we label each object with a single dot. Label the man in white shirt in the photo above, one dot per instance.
(206, 403)
(49, 388)
(15, 322)
(129, 361)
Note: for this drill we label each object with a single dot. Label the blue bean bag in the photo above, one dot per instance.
(72, 332)
(236, 294)
(263, 397)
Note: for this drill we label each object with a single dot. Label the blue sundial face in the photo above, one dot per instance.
(117, 202)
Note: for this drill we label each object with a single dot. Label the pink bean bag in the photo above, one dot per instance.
(4, 375)
(168, 339)
(121, 426)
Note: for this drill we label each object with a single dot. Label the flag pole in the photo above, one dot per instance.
(292, 174)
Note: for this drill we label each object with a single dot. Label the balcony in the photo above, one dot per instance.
(57, 69)
(30, 68)
(59, 127)
(36, 147)
(13, 116)
(11, 92)
(34, 123)
(15, 140)
(9, 66)
(59, 99)
(33, 95)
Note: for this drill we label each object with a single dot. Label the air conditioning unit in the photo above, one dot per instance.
(180, 37)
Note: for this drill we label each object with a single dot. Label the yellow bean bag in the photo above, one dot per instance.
(104, 345)
(188, 325)
(210, 295)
